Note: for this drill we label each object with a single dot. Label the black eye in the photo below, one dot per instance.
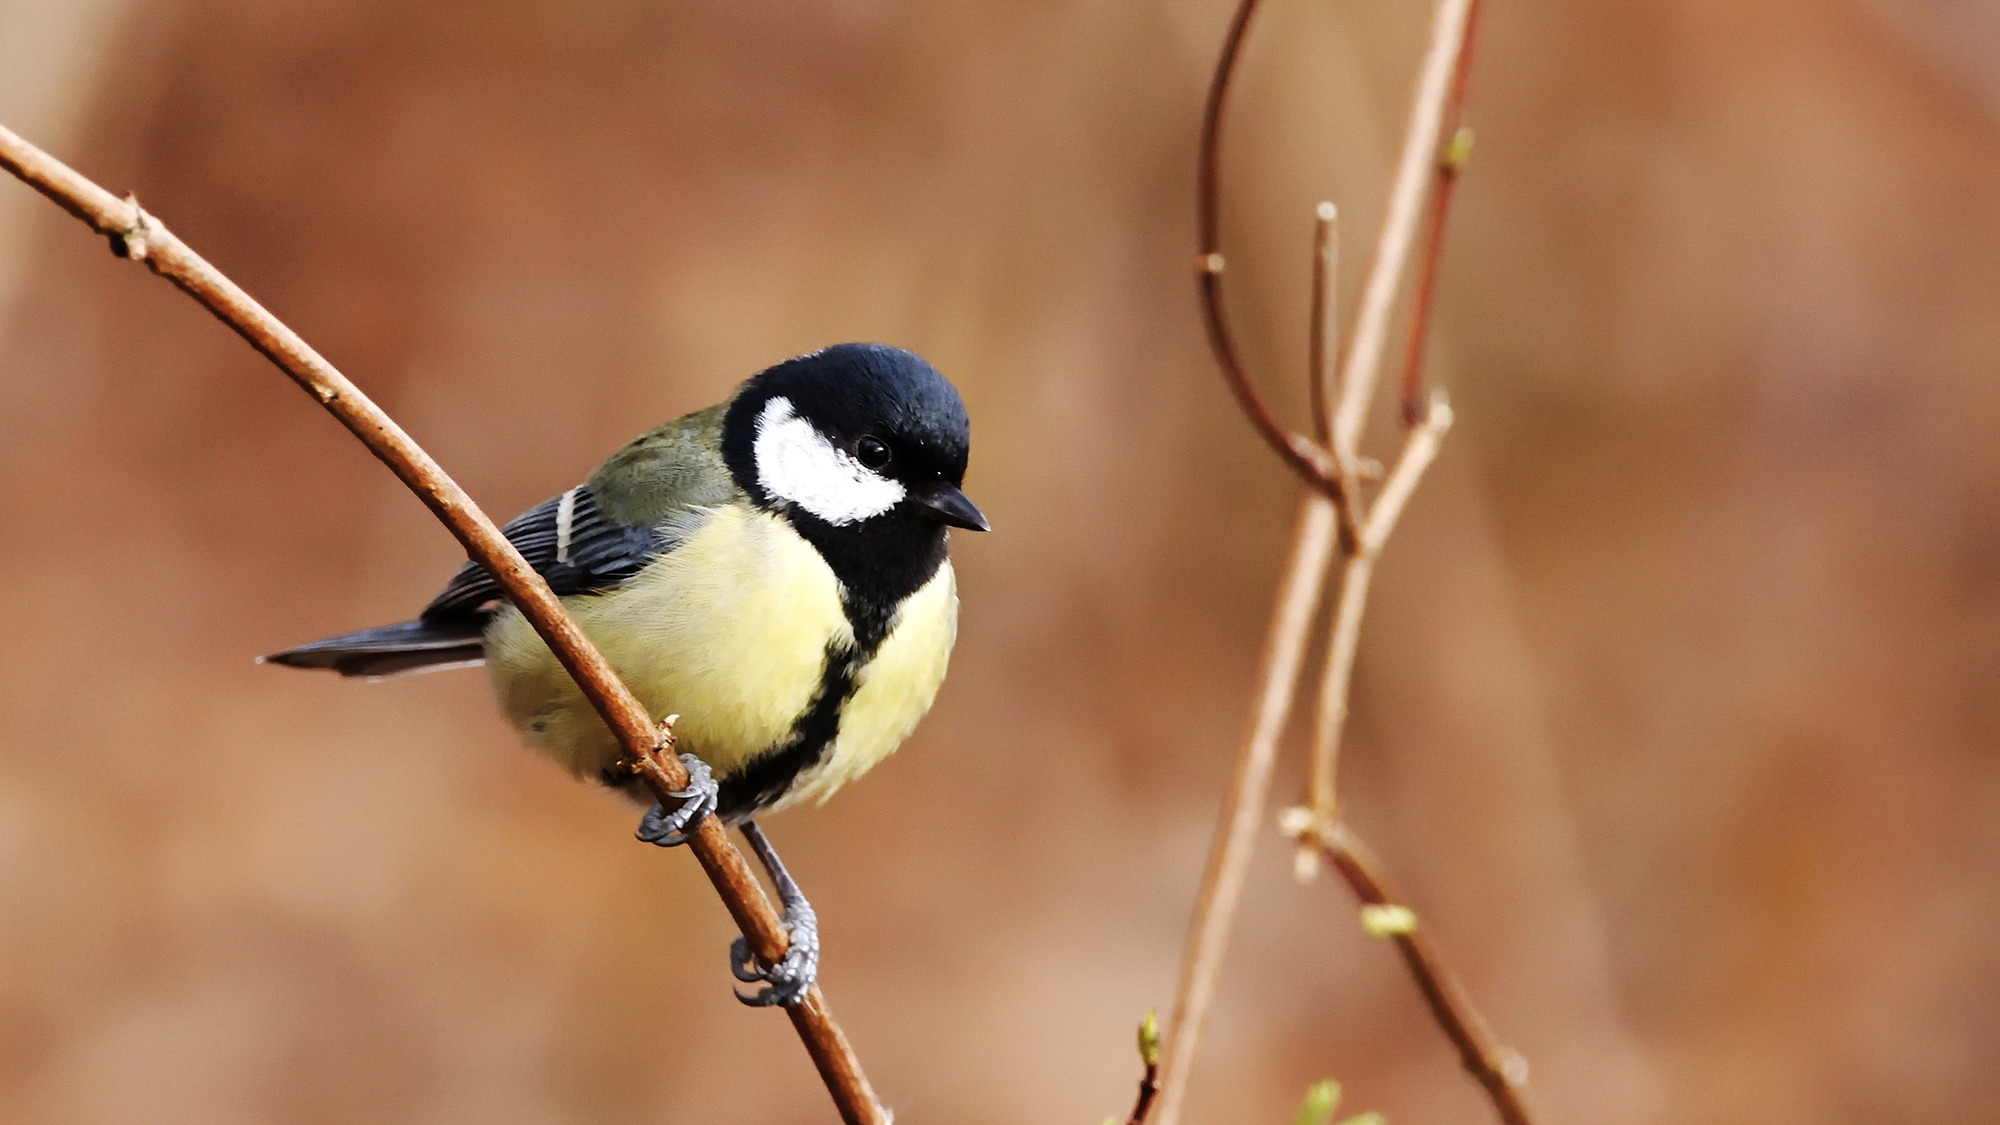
(871, 452)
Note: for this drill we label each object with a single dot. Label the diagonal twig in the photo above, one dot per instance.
(1497, 1067)
(137, 235)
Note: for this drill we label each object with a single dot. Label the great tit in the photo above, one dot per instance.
(772, 569)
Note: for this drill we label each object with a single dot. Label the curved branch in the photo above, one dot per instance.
(1305, 457)
(135, 234)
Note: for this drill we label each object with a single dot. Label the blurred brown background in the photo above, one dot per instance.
(1678, 699)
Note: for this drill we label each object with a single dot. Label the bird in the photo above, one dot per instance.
(773, 570)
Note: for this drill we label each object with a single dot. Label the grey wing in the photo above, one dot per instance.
(660, 487)
(570, 542)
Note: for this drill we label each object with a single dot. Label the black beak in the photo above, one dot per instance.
(948, 505)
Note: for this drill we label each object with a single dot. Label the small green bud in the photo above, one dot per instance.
(1322, 1098)
(1149, 1039)
(1388, 921)
(1458, 150)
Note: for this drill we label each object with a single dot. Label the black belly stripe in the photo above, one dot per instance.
(760, 784)
(766, 779)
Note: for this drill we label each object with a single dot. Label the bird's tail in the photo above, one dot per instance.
(392, 650)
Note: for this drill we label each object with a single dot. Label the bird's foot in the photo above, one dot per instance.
(697, 801)
(786, 982)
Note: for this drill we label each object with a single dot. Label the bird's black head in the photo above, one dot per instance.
(862, 448)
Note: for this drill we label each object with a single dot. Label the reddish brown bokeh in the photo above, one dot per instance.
(1676, 705)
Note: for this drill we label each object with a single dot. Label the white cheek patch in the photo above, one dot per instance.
(795, 462)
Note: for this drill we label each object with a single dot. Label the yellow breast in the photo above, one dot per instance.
(730, 631)
(894, 690)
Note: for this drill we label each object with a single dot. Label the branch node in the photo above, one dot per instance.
(1314, 455)
(134, 242)
(1438, 414)
(1309, 829)
(1211, 263)
(659, 763)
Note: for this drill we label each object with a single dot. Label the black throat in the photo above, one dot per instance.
(878, 563)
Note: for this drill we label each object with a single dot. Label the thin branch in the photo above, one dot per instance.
(1305, 457)
(1149, 1088)
(1324, 327)
(1322, 376)
(1236, 832)
(1344, 641)
(1497, 1067)
(1418, 453)
(1457, 148)
(137, 235)
(1149, 1083)
(1385, 275)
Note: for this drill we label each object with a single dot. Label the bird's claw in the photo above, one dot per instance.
(697, 801)
(786, 982)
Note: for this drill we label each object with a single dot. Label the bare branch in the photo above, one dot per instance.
(1324, 328)
(1418, 453)
(1313, 825)
(137, 235)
